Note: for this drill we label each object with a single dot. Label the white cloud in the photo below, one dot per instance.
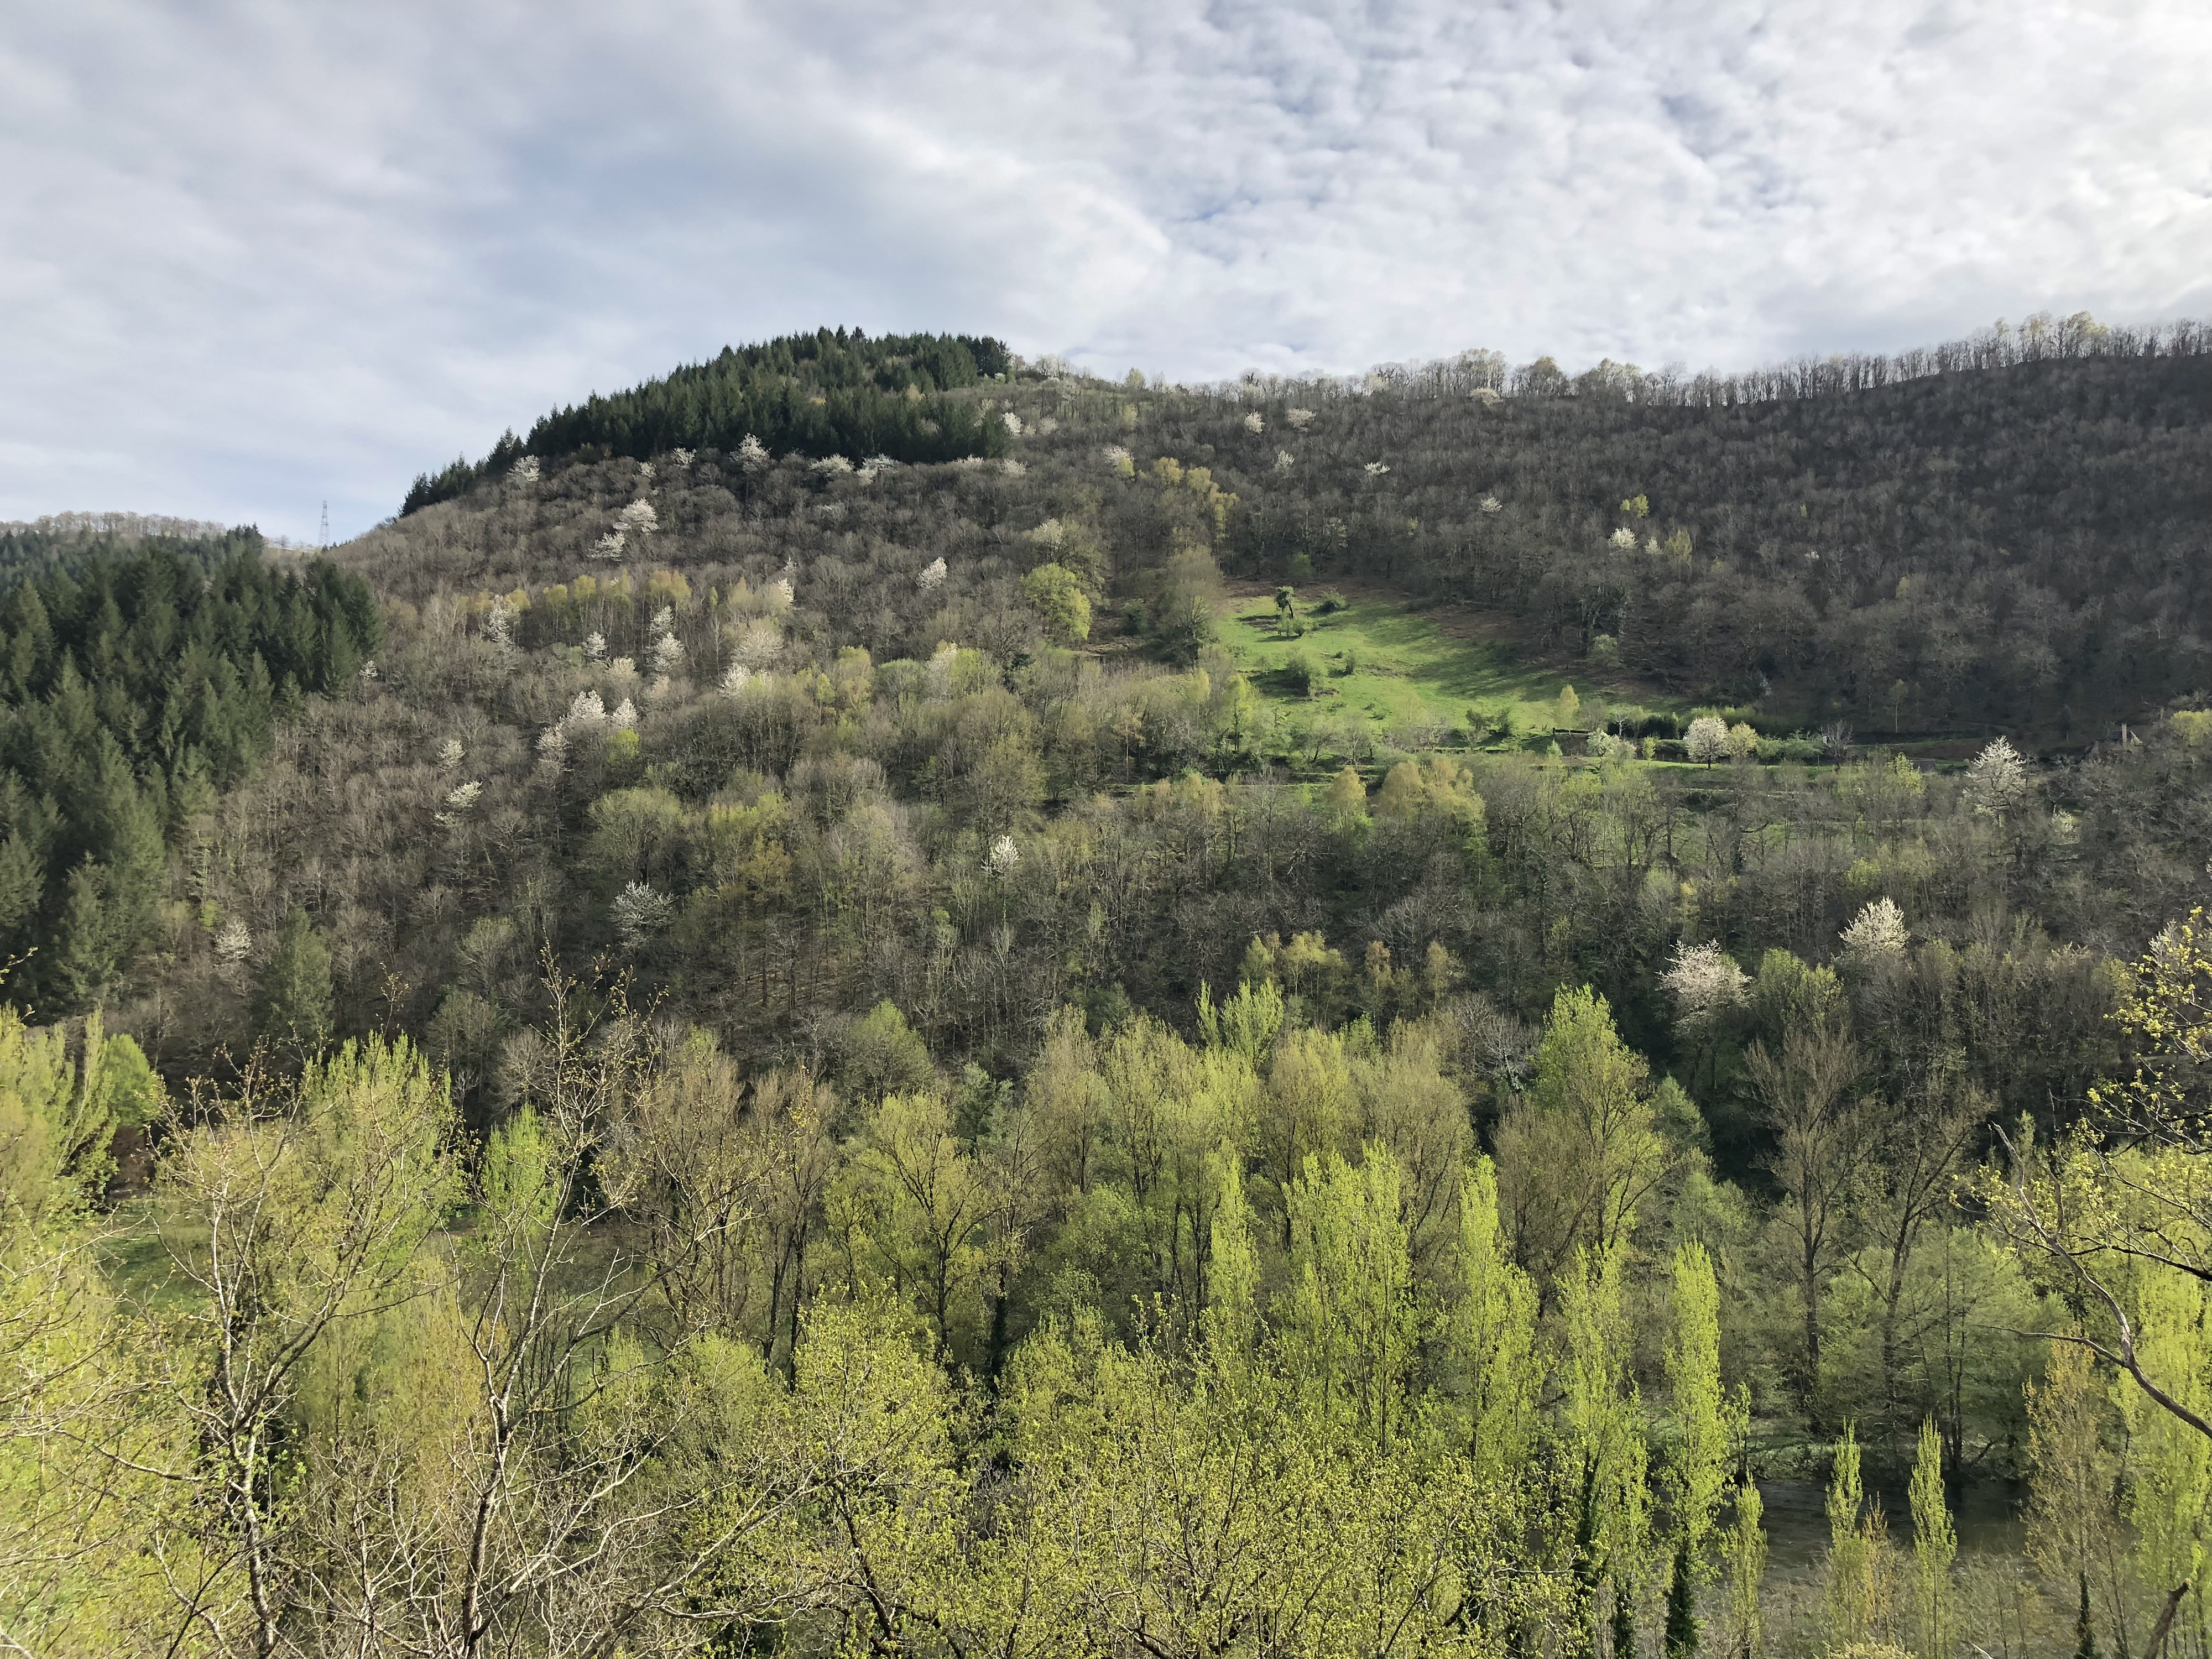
(254, 256)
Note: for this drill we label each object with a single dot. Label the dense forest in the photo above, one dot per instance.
(820, 395)
(728, 1045)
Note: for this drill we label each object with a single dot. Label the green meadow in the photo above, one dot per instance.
(1387, 663)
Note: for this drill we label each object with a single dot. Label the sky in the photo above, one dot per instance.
(258, 256)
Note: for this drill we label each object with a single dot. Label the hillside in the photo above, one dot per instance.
(816, 1025)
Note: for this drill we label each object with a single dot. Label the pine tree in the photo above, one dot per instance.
(293, 1008)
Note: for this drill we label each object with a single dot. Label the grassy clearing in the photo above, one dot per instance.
(1405, 670)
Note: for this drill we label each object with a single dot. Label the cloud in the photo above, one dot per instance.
(252, 256)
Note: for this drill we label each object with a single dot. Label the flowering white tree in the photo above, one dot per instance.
(1012, 423)
(587, 713)
(933, 575)
(1623, 540)
(783, 590)
(611, 545)
(1283, 461)
(638, 518)
(1490, 504)
(1707, 740)
(233, 942)
(1004, 857)
(595, 646)
(681, 457)
(1117, 458)
(1876, 937)
(737, 678)
(639, 911)
(668, 656)
(1253, 424)
(1706, 983)
(449, 754)
(463, 796)
(625, 716)
(1299, 419)
(832, 466)
(760, 645)
(1997, 780)
(1013, 469)
(1376, 469)
(752, 455)
(1487, 396)
(663, 623)
(499, 623)
(553, 748)
(1604, 746)
(525, 470)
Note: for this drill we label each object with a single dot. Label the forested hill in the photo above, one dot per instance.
(821, 394)
(2007, 533)
(134, 686)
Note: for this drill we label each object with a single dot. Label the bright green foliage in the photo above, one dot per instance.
(1349, 1328)
(1934, 1546)
(1578, 1152)
(1745, 1548)
(1492, 1335)
(58, 1114)
(1857, 1588)
(1056, 594)
(1709, 1425)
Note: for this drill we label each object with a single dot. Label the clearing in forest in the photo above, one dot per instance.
(1379, 658)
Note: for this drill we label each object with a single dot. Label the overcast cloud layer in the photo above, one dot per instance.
(254, 256)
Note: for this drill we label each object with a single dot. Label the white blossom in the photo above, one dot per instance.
(1012, 423)
(525, 470)
(782, 589)
(638, 518)
(1997, 780)
(737, 678)
(1624, 538)
(1487, 396)
(1376, 469)
(1704, 982)
(1115, 455)
(933, 575)
(449, 754)
(1299, 419)
(1876, 936)
(1046, 427)
(832, 466)
(608, 546)
(553, 747)
(681, 457)
(1490, 504)
(668, 656)
(1013, 469)
(1005, 856)
(595, 646)
(1051, 533)
(625, 716)
(499, 623)
(462, 797)
(1604, 746)
(752, 455)
(760, 645)
(1708, 739)
(663, 623)
(639, 911)
(586, 712)
(1282, 462)
(368, 673)
(645, 472)
(1254, 423)
(233, 944)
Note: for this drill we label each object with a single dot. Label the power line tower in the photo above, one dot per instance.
(325, 539)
